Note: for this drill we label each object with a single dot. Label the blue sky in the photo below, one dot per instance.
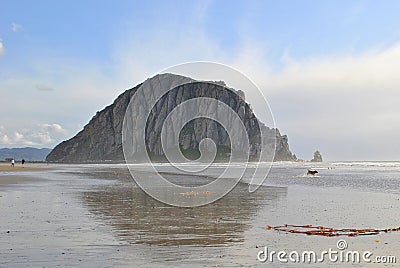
(328, 68)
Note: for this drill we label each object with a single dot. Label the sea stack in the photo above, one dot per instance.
(317, 157)
(101, 139)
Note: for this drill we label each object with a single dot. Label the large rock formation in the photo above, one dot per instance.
(317, 157)
(101, 138)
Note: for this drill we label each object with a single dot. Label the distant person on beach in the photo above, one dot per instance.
(12, 162)
(23, 162)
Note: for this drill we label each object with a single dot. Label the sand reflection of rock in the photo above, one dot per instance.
(138, 218)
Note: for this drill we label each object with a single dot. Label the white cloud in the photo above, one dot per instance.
(17, 139)
(2, 50)
(138, 58)
(16, 27)
(43, 138)
(344, 105)
(41, 135)
(5, 139)
(54, 127)
(374, 69)
(57, 128)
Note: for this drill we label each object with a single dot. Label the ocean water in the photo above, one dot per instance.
(95, 215)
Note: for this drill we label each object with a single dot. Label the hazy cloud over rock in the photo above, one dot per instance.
(43, 87)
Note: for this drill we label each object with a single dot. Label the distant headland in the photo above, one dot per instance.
(27, 153)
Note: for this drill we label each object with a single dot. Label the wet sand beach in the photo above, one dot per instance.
(17, 174)
(6, 167)
(94, 215)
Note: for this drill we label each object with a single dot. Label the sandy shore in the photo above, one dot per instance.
(13, 179)
(5, 167)
(15, 175)
(93, 215)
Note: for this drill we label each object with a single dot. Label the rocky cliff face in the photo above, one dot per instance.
(101, 138)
